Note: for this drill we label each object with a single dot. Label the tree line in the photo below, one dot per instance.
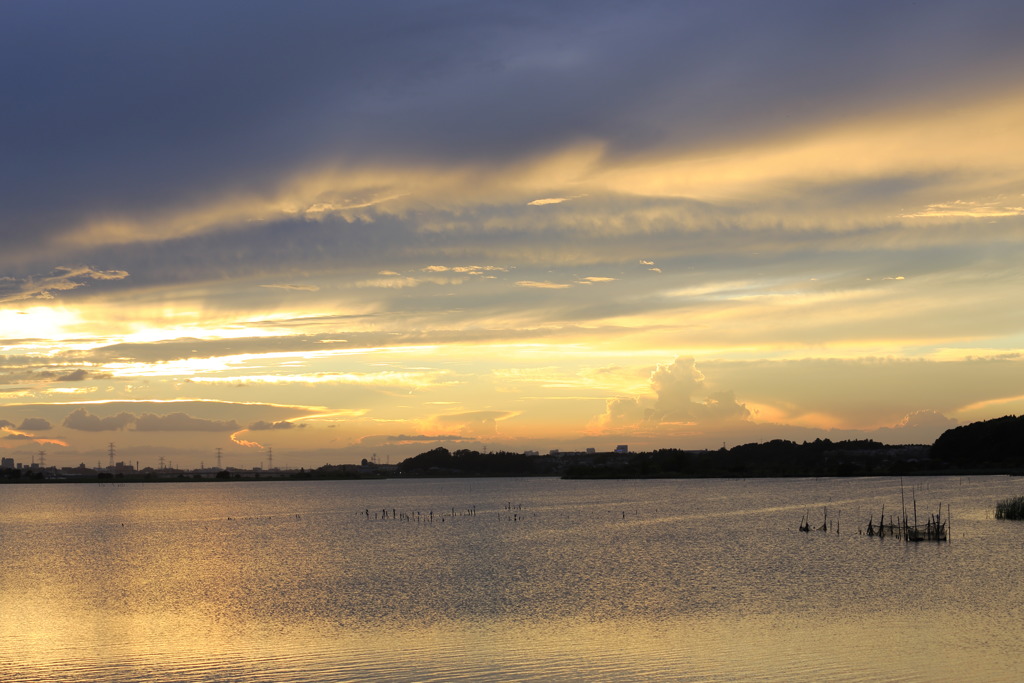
(988, 446)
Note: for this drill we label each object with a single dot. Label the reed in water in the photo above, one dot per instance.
(1010, 508)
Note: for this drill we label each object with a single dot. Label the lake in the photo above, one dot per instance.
(507, 580)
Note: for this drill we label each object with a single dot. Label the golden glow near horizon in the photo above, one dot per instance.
(501, 258)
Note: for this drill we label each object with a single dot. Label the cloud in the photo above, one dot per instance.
(237, 438)
(920, 426)
(928, 419)
(679, 397)
(5, 424)
(391, 282)
(407, 439)
(740, 194)
(82, 420)
(295, 288)
(385, 378)
(436, 275)
(63, 279)
(281, 424)
(74, 376)
(35, 424)
(469, 270)
(509, 87)
(541, 285)
(475, 423)
(18, 437)
(676, 383)
(180, 422)
(623, 412)
(969, 209)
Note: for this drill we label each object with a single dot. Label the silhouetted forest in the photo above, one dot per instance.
(990, 446)
(772, 459)
(997, 443)
(441, 461)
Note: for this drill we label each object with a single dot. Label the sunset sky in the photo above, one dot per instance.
(341, 229)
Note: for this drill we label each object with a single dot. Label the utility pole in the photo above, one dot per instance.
(218, 459)
(110, 462)
(270, 458)
(42, 459)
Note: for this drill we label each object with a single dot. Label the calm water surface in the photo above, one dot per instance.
(507, 580)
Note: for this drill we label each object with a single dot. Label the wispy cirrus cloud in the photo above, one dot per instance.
(63, 279)
(998, 208)
(534, 284)
(294, 288)
(384, 378)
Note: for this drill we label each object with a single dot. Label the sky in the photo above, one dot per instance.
(327, 231)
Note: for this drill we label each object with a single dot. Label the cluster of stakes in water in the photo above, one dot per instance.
(510, 512)
(908, 527)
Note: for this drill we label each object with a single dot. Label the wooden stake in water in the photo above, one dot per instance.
(949, 532)
(903, 502)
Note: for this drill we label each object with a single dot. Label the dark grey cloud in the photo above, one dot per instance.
(35, 424)
(123, 107)
(280, 424)
(38, 370)
(74, 376)
(181, 422)
(82, 420)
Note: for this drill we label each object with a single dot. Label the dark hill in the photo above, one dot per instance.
(998, 442)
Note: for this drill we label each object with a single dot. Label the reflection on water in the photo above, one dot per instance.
(505, 579)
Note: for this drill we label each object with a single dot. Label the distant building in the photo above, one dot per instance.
(622, 448)
(7, 463)
(591, 451)
(80, 471)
